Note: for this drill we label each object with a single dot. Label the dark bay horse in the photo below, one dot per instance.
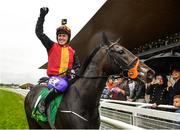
(79, 106)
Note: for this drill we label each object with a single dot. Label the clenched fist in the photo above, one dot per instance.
(44, 11)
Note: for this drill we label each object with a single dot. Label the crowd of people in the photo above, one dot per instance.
(164, 89)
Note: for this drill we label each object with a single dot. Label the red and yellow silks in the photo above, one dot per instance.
(60, 59)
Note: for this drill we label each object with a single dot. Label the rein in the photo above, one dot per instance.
(91, 77)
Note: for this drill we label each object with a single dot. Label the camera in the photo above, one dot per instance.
(64, 21)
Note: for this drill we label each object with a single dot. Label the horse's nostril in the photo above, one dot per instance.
(150, 76)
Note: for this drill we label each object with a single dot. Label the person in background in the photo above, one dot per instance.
(121, 90)
(106, 91)
(158, 90)
(110, 83)
(174, 86)
(61, 56)
(131, 84)
(138, 94)
(176, 103)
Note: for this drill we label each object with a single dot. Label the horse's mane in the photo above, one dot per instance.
(88, 60)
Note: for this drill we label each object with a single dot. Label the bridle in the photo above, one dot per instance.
(130, 69)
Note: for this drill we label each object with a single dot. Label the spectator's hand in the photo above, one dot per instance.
(155, 81)
(169, 85)
(44, 11)
(130, 100)
(121, 91)
(154, 105)
(114, 90)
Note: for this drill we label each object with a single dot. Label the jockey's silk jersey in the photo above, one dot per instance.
(60, 59)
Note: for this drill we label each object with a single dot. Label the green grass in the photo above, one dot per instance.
(12, 114)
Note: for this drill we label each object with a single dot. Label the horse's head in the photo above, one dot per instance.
(122, 61)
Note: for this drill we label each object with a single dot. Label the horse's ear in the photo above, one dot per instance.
(105, 39)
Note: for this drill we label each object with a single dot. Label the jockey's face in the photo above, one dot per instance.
(62, 39)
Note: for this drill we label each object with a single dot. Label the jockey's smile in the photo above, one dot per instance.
(62, 39)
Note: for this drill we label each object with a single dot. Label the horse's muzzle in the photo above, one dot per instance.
(146, 74)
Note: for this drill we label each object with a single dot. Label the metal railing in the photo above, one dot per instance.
(138, 115)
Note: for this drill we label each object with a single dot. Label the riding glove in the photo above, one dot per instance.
(43, 11)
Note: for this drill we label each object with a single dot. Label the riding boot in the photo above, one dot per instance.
(51, 95)
(45, 103)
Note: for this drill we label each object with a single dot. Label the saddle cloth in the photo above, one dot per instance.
(36, 113)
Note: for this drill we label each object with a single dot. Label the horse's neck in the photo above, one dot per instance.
(92, 88)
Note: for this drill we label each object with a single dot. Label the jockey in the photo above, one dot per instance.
(61, 56)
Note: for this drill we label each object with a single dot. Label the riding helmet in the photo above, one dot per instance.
(63, 29)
